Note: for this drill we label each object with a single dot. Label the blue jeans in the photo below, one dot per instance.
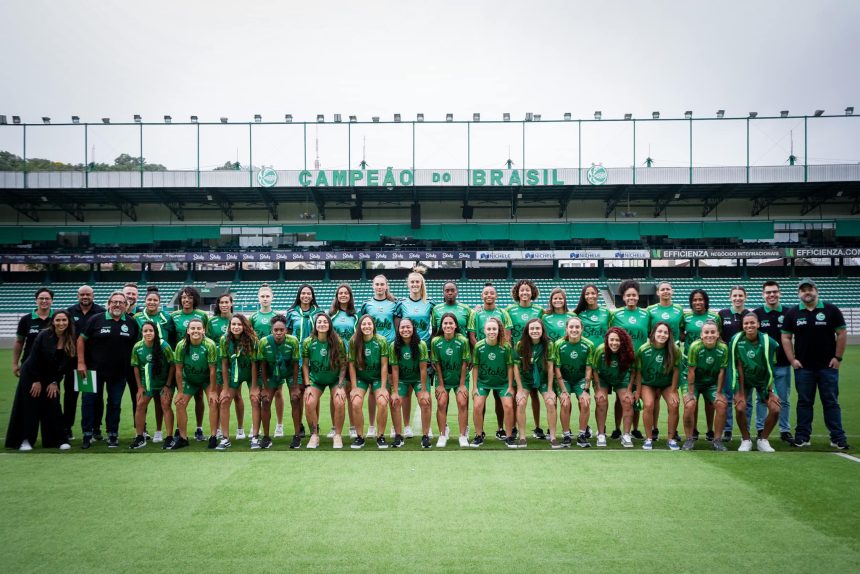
(827, 382)
(115, 387)
(782, 387)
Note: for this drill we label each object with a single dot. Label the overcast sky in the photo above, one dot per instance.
(236, 59)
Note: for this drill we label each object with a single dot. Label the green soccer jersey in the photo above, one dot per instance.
(279, 358)
(693, 324)
(673, 315)
(195, 360)
(534, 374)
(261, 322)
(374, 350)
(610, 374)
(479, 318)
(163, 323)
(708, 362)
(450, 356)
(317, 352)
(238, 361)
(595, 323)
(460, 310)
(408, 365)
(382, 312)
(757, 359)
(492, 362)
(572, 358)
(519, 317)
(555, 324)
(635, 322)
(217, 328)
(181, 320)
(651, 363)
(344, 324)
(141, 357)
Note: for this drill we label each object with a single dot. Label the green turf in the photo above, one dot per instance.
(489, 510)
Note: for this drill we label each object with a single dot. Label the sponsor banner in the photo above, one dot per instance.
(550, 254)
(718, 253)
(826, 252)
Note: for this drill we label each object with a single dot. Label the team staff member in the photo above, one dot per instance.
(130, 290)
(771, 317)
(30, 325)
(731, 320)
(819, 334)
(80, 312)
(189, 303)
(110, 338)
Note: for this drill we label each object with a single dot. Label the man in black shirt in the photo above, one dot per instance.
(81, 312)
(30, 325)
(771, 318)
(109, 337)
(819, 334)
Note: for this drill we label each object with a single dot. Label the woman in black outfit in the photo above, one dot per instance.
(37, 399)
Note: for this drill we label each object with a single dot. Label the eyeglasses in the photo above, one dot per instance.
(116, 302)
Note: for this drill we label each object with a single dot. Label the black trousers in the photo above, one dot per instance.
(29, 413)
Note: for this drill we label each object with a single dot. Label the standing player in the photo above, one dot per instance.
(189, 302)
(771, 319)
(261, 321)
(556, 315)
(450, 355)
(595, 319)
(656, 371)
(635, 320)
(408, 359)
(381, 308)
(153, 312)
(219, 322)
(343, 319)
(237, 352)
(707, 359)
(324, 366)
(612, 370)
(570, 361)
(461, 311)
(278, 355)
(492, 370)
(673, 315)
(152, 361)
(368, 370)
(521, 311)
(694, 320)
(531, 374)
(195, 359)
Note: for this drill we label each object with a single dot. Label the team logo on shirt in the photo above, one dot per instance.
(148, 358)
(407, 355)
(124, 328)
(665, 316)
(574, 355)
(709, 361)
(658, 359)
(323, 352)
(449, 351)
(366, 352)
(780, 318)
(632, 320)
(614, 363)
(819, 317)
(524, 317)
(593, 318)
(699, 323)
(491, 356)
(751, 354)
(195, 357)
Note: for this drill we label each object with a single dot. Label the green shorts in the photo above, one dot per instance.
(653, 386)
(270, 384)
(323, 386)
(614, 386)
(364, 385)
(708, 391)
(541, 388)
(404, 388)
(156, 390)
(485, 390)
(576, 388)
(763, 393)
(192, 388)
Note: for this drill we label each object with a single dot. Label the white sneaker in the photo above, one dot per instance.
(330, 434)
(746, 446)
(601, 440)
(407, 432)
(371, 432)
(763, 445)
(626, 441)
(352, 432)
(392, 434)
(430, 433)
(648, 444)
(255, 443)
(673, 444)
(240, 434)
(314, 441)
(219, 435)
(279, 431)
(67, 446)
(464, 442)
(447, 431)
(25, 446)
(337, 441)
(158, 437)
(442, 442)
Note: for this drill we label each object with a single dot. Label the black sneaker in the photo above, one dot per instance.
(637, 434)
(515, 433)
(695, 434)
(582, 442)
(168, 443)
(87, 442)
(113, 441)
(786, 437)
(301, 432)
(398, 441)
(676, 437)
(479, 440)
(139, 442)
(566, 441)
(176, 434)
(727, 436)
(511, 442)
(655, 433)
(97, 435)
(266, 442)
(500, 434)
(709, 436)
(539, 434)
(296, 442)
(357, 442)
(179, 443)
(213, 442)
(146, 435)
(380, 442)
(800, 442)
(425, 441)
(840, 444)
(587, 431)
(616, 434)
(198, 435)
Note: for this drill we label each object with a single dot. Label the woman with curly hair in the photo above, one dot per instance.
(611, 367)
(521, 311)
(658, 363)
(324, 366)
(343, 320)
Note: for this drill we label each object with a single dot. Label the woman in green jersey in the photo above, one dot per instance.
(189, 303)
(381, 308)
(556, 315)
(152, 360)
(195, 359)
(612, 369)
(408, 359)
(570, 363)
(166, 332)
(707, 359)
(595, 319)
(261, 321)
(532, 376)
(524, 293)
(219, 322)
(657, 372)
(368, 370)
(635, 320)
(343, 320)
(324, 366)
(450, 355)
(278, 356)
(492, 371)
(694, 321)
(238, 355)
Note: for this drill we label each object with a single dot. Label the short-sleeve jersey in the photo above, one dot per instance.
(671, 314)
(635, 322)
(383, 316)
(29, 326)
(536, 372)
(141, 357)
(316, 354)
(730, 323)
(279, 358)
(492, 362)
(519, 317)
(572, 358)
(555, 324)
(238, 361)
(408, 365)
(344, 324)
(300, 323)
(450, 356)
(163, 324)
(693, 324)
(217, 327)
(651, 363)
(109, 343)
(757, 359)
(262, 323)
(771, 321)
(181, 320)
(610, 374)
(419, 312)
(595, 323)
(460, 310)
(479, 318)
(706, 362)
(374, 350)
(195, 360)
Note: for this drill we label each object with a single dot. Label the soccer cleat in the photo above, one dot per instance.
(582, 442)
(398, 441)
(648, 444)
(689, 444)
(539, 434)
(840, 444)
(138, 442)
(407, 432)
(763, 445)
(443, 441)
(511, 442)
(27, 447)
(676, 437)
(695, 434)
(464, 442)
(425, 441)
(179, 443)
(380, 442)
(587, 431)
(255, 443)
(566, 440)
(296, 442)
(87, 443)
(337, 441)
(352, 432)
(113, 441)
(655, 433)
(330, 434)
(601, 439)
(266, 442)
(213, 442)
(553, 443)
(500, 434)
(314, 441)
(637, 434)
(176, 433)
(157, 437)
(673, 444)
(65, 446)
(371, 432)
(478, 440)
(800, 442)
(301, 430)
(168, 443)
(626, 441)
(240, 434)
(357, 442)
(279, 431)
(718, 446)
(786, 437)
(198, 435)
(746, 445)
(727, 436)
(224, 444)
(709, 436)
(616, 434)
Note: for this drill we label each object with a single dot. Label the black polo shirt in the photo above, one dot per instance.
(814, 333)
(731, 323)
(109, 342)
(29, 327)
(80, 318)
(771, 323)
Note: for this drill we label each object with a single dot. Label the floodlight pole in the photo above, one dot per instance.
(25, 155)
(748, 150)
(469, 152)
(691, 151)
(198, 156)
(634, 152)
(86, 157)
(250, 157)
(349, 146)
(413, 154)
(805, 151)
(579, 151)
(141, 154)
(305, 130)
(524, 153)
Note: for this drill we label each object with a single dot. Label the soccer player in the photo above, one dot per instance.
(694, 320)
(449, 304)
(730, 325)
(570, 364)
(612, 368)
(636, 321)
(657, 364)
(707, 359)
(343, 320)
(152, 360)
(189, 303)
(771, 317)
(524, 293)
(324, 366)
(195, 357)
(531, 374)
(595, 319)
(278, 357)
(408, 359)
(381, 308)
(556, 315)
(673, 315)
(450, 355)
(492, 370)
(167, 333)
(237, 352)
(261, 320)
(368, 370)
(218, 325)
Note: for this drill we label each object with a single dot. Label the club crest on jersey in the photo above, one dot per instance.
(699, 323)
(366, 352)
(819, 317)
(407, 355)
(491, 356)
(632, 320)
(751, 354)
(709, 360)
(658, 359)
(449, 351)
(323, 352)
(195, 357)
(574, 355)
(124, 328)
(148, 358)
(665, 315)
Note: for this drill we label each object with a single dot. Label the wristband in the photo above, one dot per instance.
(838, 358)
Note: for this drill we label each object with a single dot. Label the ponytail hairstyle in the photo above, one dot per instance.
(413, 342)
(418, 272)
(525, 346)
(158, 362)
(388, 294)
(357, 342)
(501, 338)
(671, 350)
(187, 337)
(334, 358)
(625, 351)
(217, 311)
